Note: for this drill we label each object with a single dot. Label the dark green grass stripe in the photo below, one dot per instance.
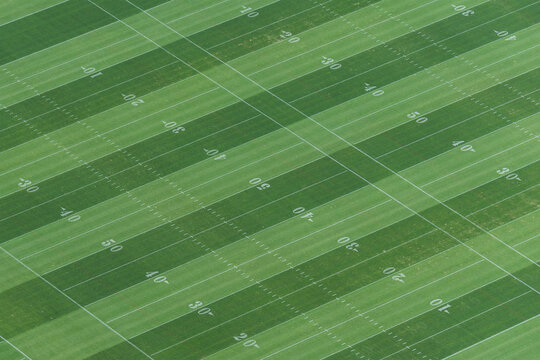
(174, 146)
(509, 209)
(291, 281)
(466, 131)
(466, 109)
(403, 67)
(482, 327)
(268, 311)
(449, 32)
(31, 304)
(491, 296)
(59, 23)
(136, 176)
(213, 238)
(204, 133)
(251, 199)
(497, 190)
(197, 222)
(145, 73)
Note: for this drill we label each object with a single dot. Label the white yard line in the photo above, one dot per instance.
(385, 331)
(452, 125)
(288, 294)
(343, 140)
(196, 234)
(491, 337)
(506, 198)
(76, 58)
(34, 12)
(130, 168)
(245, 263)
(265, 26)
(375, 308)
(529, 239)
(339, 39)
(158, 202)
(76, 303)
(109, 131)
(200, 10)
(436, 87)
(480, 161)
(13, 346)
(460, 323)
(90, 95)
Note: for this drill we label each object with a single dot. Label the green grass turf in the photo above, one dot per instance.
(309, 288)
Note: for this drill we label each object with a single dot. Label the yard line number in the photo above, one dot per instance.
(504, 34)
(247, 343)
(173, 126)
(157, 279)
(352, 246)
(132, 98)
(64, 212)
(260, 184)
(112, 245)
(213, 152)
(300, 211)
(27, 184)
(465, 147)
(286, 35)
(249, 11)
(438, 302)
(511, 176)
(198, 305)
(331, 62)
(369, 88)
(91, 71)
(416, 116)
(399, 277)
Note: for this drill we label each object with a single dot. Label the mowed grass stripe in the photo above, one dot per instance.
(486, 192)
(141, 75)
(425, 47)
(239, 204)
(19, 200)
(506, 298)
(523, 183)
(319, 266)
(59, 23)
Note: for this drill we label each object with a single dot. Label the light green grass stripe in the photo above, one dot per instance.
(388, 303)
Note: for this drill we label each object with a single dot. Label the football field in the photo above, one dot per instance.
(269, 179)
